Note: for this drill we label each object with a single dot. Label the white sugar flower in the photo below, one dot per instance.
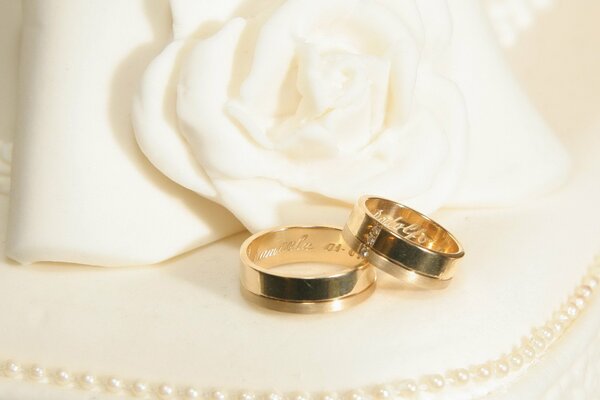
(283, 111)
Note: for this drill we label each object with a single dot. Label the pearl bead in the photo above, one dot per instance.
(501, 367)
(432, 383)
(528, 352)
(515, 359)
(191, 393)
(88, 381)
(537, 343)
(406, 387)
(458, 376)
(247, 396)
(300, 396)
(383, 392)
(591, 282)
(584, 291)
(571, 310)
(274, 396)
(545, 333)
(326, 396)
(12, 370)
(579, 301)
(481, 372)
(139, 388)
(62, 378)
(165, 391)
(218, 395)
(356, 395)
(557, 326)
(562, 316)
(37, 373)
(114, 384)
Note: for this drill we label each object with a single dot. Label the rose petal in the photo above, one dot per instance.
(156, 126)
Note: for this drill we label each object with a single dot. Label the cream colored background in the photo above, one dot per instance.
(186, 322)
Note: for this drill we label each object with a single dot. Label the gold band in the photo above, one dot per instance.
(308, 291)
(402, 242)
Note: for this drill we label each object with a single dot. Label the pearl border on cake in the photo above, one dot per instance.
(531, 348)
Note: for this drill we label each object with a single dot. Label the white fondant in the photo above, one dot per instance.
(202, 332)
(175, 323)
(338, 103)
(10, 31)
(513, 155)
(512, 17)
(341, 98)
(5, 161)
(81, 189)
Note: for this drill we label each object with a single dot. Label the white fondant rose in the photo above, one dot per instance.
(285, 111)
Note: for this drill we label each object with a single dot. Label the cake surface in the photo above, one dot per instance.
(184, 322)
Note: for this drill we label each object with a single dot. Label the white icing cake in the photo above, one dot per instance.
(519, 321)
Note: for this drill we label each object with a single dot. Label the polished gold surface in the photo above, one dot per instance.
(402, 242)
(311, 290)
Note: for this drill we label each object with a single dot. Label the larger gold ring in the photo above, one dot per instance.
(308, 289)
(403, 242)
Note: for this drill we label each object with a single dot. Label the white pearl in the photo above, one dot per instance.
(63, 378)
(501, 367)
(537, 343)
(11, 369)
(545, 333)
(274, 396)
(571, 310)
(114, 384)
(356, 395)
(139, 388)
(515, 359)
(88, 381)
(191, 393)
(218, 395)
(300, 396)
(557, 326)
(406, 387)
(37, 373)
(383, 392)
(527, 351)
(579, 301)
(458, 376)
(247, 396)
(584, 291)
(481, 372)
(165, 391)
(591, 282)
(562, 316)
(432, 383)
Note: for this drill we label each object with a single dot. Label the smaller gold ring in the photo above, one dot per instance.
(403, 242)
(309, 290)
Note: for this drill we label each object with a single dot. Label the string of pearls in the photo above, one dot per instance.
(531, 347)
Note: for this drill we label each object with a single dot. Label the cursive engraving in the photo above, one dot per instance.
(414, 232)
(300, 244)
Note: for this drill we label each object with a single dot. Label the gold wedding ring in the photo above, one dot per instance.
(402, 242)
(311, 288)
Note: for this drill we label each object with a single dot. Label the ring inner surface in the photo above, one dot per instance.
(302, 245)
(323, 248)
(412, 226)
